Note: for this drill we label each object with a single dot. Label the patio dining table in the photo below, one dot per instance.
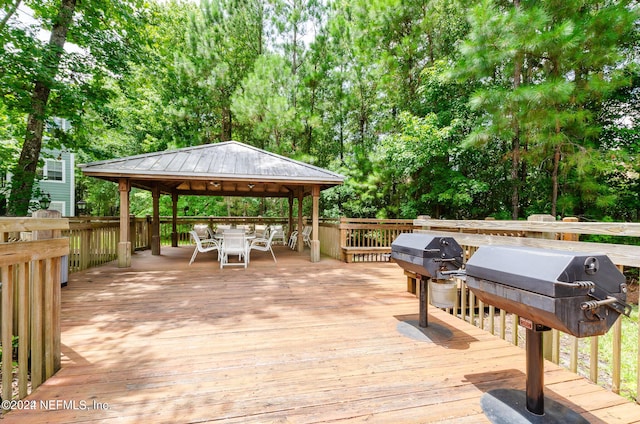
(220, 236)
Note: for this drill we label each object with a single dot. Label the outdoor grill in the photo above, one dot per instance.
(578, 293)
(430, 258)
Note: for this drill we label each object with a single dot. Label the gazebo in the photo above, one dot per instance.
(227, 168)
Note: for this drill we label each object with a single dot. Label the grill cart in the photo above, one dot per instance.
(431, 259)
(580, 294)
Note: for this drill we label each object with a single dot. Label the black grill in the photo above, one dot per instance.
(428, 257)
(580, 294)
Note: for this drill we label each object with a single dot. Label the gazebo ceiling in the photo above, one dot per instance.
(228, 168)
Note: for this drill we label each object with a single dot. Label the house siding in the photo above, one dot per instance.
(62, 192)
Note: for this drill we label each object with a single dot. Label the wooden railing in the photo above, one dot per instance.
(30, 271)
(361, 239)
(94, 240)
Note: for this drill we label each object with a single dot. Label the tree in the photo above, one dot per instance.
(25, 171)
(544, 67)
(55, 82)
(263, 103)
(223, 40)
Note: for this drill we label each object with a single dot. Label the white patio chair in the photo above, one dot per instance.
(263, 244)
(293, 239)
(234, 243)
(306, 235)
(201, 230)
(203, 246)
(221, 228)
(261, 230)
(279, 233)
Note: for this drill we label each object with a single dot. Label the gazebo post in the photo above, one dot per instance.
(300, 242)
(155, 226)
(124, 246)
(315, 242)
(290, 215)
(174, 219)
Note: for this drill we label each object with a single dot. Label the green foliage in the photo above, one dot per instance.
(262, 103)
(440, 107)
(421, 167)
(14, 347)
(544, 70)
(629, 355)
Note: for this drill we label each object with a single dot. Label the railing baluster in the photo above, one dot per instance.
(492, 316)
(593, 359)
(616, 362)
(573, 354)
(503, 322)
(23, 328)
(6, 275)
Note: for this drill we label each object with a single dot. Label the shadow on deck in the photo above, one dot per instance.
(293, 342)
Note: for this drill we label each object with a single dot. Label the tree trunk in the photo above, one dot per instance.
(554, 176)
(515, 145)
(227, 124)
(25, 170)
(10, 13)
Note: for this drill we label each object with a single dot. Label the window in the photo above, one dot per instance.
(54, 170)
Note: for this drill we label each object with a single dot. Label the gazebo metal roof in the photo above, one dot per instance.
(228, 168)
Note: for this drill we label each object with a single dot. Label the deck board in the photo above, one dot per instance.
(292, 342)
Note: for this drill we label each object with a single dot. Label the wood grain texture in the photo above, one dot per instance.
(604, 228)
(618, 253)
(285, 342)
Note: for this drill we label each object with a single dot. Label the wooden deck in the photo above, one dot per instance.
(292, 342)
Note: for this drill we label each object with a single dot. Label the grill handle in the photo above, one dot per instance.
(610, 302)
(578, 284)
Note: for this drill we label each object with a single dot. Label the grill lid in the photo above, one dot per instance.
(425, 254)
(545, 271)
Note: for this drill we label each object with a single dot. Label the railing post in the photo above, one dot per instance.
(343, 239)
(132, 232)
(84, 250)
(148, 232)
(52, 300)
(6, 275)
(570, 236)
